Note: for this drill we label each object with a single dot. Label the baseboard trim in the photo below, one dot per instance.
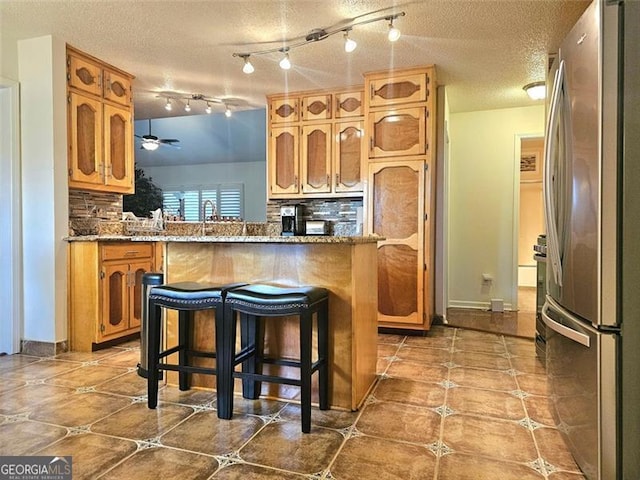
(43, 349)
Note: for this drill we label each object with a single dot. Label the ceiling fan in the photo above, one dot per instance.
(151, 142)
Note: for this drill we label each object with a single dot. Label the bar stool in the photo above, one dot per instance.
(186, 298)
(259, 300)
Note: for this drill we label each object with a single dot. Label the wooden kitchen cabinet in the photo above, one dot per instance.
(400, 202)
(316, 153)
(105, 291)
(100, 125)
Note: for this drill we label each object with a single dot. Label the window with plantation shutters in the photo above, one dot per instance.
(187, 202)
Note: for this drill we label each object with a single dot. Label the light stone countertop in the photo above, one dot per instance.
(227, 239)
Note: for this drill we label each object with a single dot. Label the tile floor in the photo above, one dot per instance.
(458, 404)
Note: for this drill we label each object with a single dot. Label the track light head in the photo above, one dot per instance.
(187, 107)
(248, 66)
(208, 109)
(394, 34)
(285, 63)
(349, 43)
(227, 111)
(167, 105)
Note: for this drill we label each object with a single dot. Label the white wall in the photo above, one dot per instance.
(483, 203)
(42, 76)
(252, 174)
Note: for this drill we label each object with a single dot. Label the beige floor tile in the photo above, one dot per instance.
(554, 449)
(262, 406)
(400, 422)
(480, 378)
(418, 371)
(480, 345)
(498, 439)
(26, 438)
(463, 334)
(88, 356)
(410, 392)
(130, 384)
(8, 384)
(337, 419)
(364, 457)
(387, 338)
(458, 466)
(242, 471)
(125, 358)
(488, 403)
(382, 365)
(480, 360)
(161, 463)
(528, 365)
(79, 409)
(41, 370)
(385, 350)
(441, 331)
(16, 361)
(173, 394)
(283, 445)
(88, 375)
(533, 384)
(204, 432)
(27, 398)
(445, 342)
(427, 355)
(91, 454)
(566, 476)
(141, 423)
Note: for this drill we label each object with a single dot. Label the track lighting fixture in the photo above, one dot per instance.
(394, 34)
(349, 43)
(285, 63)
(196, 97)
(318, 34)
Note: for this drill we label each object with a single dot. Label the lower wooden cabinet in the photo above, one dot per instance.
(105, 290)
(398, 202)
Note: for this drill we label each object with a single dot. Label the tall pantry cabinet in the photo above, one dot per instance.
(399, 111)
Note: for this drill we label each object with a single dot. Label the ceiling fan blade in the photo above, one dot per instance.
(168, 140)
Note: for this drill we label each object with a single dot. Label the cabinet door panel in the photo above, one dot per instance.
(349, 145)
(118, 153)
(283, 154)
(137, 270)
(398, 89)
(349, 104)
(284, 110)
(397, 206)
(316, 107)
(84, 75)
(85, 141)
(397, 132)
(117, 88)
(115, 299)
(316, 158)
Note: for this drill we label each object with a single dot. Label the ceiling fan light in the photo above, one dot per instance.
(536, 90)
(394, 34)
(150, 146)
(167, 106)
(349, 44)
(285, 63)
(248, 66)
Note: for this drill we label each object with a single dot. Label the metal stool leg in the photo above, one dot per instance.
(185, 319)
(306, 327)
(323, 355)
(225, 355)
(252, 328)
(153, 351)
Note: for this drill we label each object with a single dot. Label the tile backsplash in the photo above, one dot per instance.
(341, 213)
(100, 205)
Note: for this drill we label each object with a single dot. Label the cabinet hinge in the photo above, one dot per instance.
(102, 274)
(426, 217)
(70, 172)
(102, 328)
(425, 267)
(68, 98)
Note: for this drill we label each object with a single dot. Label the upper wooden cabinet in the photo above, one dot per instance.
(397, 132)
(386, 89)
(316, 144)
(100, 125)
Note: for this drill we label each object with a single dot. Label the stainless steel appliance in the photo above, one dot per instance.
(316, 227)
(592, 179)
(292, 221)
(540, 256)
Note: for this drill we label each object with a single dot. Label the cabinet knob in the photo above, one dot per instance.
(328, 180)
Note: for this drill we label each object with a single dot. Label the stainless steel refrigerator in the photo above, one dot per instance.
(592, 207)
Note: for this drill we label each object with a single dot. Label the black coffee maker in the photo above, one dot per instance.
(292, 221)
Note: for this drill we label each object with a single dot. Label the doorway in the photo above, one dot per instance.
(10, 238)
(531, 218)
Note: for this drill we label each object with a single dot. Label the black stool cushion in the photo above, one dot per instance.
(269, 295)
(193, 294)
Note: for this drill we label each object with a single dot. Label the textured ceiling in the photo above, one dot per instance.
(485, 51)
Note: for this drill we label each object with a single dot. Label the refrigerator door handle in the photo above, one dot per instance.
(549, 201)
(563, 330)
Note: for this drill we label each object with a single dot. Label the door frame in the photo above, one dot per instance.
(516, 211)
(11, 295)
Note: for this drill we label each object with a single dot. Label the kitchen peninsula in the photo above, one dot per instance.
(346, 266)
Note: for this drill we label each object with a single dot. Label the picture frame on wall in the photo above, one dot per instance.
(530, 166)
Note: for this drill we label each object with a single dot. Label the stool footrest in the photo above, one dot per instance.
(292, 363)
(268, 378)
(191, 353)
(187, 369)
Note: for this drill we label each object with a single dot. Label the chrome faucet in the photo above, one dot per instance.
(214, 212)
